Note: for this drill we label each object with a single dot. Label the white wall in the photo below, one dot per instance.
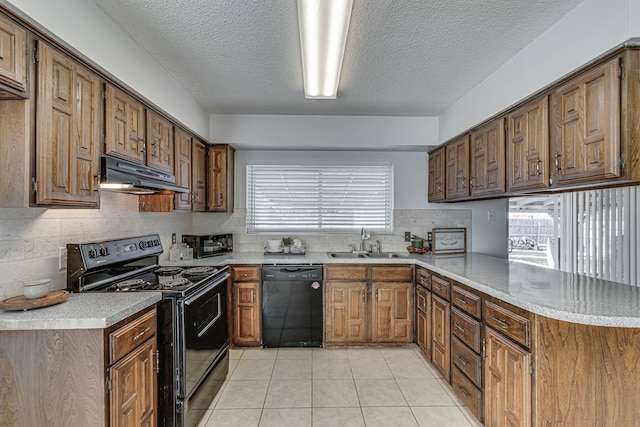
(85, 27)
(328, 132)
(589, 30)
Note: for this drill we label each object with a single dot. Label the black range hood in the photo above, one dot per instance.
(126, 177)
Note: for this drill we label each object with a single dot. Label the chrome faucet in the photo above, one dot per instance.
(364, 236)
(379, 245)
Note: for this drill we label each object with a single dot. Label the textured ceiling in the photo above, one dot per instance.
(403, 57)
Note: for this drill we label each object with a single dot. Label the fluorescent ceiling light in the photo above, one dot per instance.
(323, 26)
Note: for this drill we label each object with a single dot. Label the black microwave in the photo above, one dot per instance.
(206, 245)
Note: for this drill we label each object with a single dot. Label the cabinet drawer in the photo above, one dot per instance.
(246, 274)
(421, 299)
(423, 278)
(467, 392)
(395, 273)
(509, 323)
(466, 329)
(356, 273)
(131, 335)
(467, 361)
(440, 287)
(466, 301)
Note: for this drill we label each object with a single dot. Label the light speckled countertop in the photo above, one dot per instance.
(92, 310)
(551, 293)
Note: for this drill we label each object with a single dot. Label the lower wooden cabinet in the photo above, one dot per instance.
(345, 312)
(368, 303)
(132, 376)
(133, 394)
(392, 315)
(423, 320)
(246, 325)
(441, 335)
(507, 382)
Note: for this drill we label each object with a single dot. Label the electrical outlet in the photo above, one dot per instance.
(491, 216)
(407, 236)
(173, 238)
(62, 258)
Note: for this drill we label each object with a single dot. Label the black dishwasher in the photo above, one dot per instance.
(292, 305)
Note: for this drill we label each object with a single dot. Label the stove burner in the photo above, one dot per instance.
(168, 271)
(198, 271)
(175, 283)
(129, 285)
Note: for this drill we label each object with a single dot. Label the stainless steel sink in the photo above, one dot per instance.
(345, 255)
(386, 255)
(367, 255)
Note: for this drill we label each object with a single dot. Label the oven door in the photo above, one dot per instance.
(205, 342)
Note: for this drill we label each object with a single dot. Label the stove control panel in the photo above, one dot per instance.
(92, 255)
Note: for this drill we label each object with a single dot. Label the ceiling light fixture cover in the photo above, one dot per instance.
(323, 26)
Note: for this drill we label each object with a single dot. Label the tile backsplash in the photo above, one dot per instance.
(417, 221)
(31, 238)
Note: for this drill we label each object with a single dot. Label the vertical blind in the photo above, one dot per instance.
(323, 199)
(598, 232)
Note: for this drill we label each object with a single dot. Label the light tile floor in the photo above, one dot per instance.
(334, 387)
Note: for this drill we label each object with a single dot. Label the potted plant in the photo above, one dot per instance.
(417, 241)
(287, 242)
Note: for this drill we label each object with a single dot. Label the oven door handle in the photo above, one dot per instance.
(194, 297)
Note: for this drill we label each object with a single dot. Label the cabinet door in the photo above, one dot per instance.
(220, 179)
(507, 382)
(457, 173)
(124, 126)
(392, 315)
(246, 320)
(423, 320)
(436, 176)
(13, 62)
(440, 334)
(586, 122)
(160, 146)
(183, 169)
(133, 394)
(68, 131)
(345, 312)
(199, 176)
(487, 159)
(528, 146)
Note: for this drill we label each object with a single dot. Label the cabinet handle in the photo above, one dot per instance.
(439, 187)
(364, 296)
(464, 182)
(437, 288)
(460, 328)
(376, 295)
(464, 392)
(461, 300)
(538, 167)
(136, 337)
(157, 361)
(462, 360)
(220, 198)
(471, 182)
(501, 322)
(253, 296)
(557, 160)
(484, 348)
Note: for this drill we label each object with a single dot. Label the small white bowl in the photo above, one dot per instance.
(36, 289)
(274, 244)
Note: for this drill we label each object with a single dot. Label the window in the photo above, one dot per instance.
(319, 199)
(593, 233)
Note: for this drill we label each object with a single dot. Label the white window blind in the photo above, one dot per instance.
(322, 199)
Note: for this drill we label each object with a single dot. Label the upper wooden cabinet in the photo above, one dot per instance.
(198, 176)
(586, 126)
(528, 146)
(68, 130)
(13, 60)
(487, 159)
(220, 180)
(160, 148)
(124, 126)
(457, 169)
(436, 183)
(182, 168)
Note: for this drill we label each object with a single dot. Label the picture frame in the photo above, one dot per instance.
(449, 241)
